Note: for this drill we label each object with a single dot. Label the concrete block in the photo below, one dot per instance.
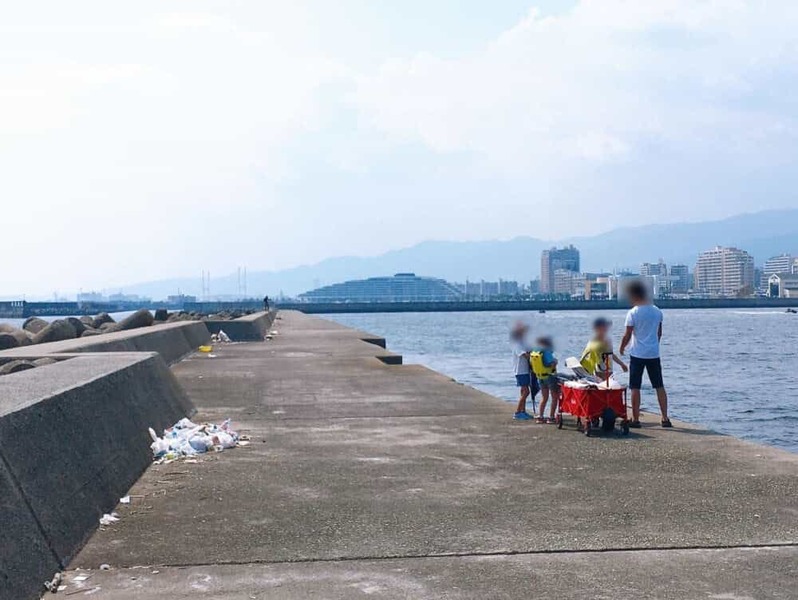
(74, 437)
(250, 328)
(173, 341)
(26, 560)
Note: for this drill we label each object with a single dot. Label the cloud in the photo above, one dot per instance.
(597, 83)
(166, 137)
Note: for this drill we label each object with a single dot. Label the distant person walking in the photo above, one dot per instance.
(644, 331)
(266, 303)
(527, 384)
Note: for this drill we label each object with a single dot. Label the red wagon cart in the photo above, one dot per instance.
(595, 407)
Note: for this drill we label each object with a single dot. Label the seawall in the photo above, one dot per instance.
(249, 328)
(529, 305)
(365, 479)
(172, 341)
(73, 439)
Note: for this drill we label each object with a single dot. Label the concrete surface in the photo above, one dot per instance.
(733, 574)
(173, 341)
(26, 559)
(249, 328)
(73, 439)
(396, 482)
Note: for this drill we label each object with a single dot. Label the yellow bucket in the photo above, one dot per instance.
(205, 348)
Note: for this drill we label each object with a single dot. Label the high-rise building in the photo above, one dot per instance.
(657, 269)
(783, 263)
(508, 288)
(679, 277)
(553, 260)
(724, 272)
(657, 273)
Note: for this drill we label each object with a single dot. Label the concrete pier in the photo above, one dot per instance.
(367, 479)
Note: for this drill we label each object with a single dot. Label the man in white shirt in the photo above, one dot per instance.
(644, 331)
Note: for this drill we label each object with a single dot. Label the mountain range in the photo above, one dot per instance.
(763, 234)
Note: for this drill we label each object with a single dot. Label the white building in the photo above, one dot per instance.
(778, 264)
(783, 285)
(724, 272)
(569, 282)
(783, 263)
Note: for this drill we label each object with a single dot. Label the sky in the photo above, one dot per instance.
(160, 138)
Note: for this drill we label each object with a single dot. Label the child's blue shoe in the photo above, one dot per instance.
(522, 416)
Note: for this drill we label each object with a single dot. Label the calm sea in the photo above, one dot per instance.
(734, 371)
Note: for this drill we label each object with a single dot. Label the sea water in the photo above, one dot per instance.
(734, 371)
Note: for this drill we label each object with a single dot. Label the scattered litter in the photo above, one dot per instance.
(92, 591)
(61, 588)
(105, 567)
(54, 583)
(211, 356)
(205, 348)
(107, 519)
(189, 439)
(124, 500)
(273, 332)
(80, 578)
(223, 337)
(155, 572)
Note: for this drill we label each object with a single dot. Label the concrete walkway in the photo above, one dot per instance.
(373, 480)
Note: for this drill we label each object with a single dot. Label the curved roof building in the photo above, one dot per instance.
(402, 287)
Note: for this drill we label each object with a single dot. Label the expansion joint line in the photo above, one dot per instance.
(489, 553)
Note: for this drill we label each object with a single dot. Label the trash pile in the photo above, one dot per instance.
(221, 337)
(186, 438)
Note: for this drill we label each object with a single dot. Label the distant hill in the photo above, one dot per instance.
(763, 234)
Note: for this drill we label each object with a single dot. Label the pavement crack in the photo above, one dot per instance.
(487, 553)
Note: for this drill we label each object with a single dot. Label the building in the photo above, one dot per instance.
(508, 288)
(782, 263)
(88, 297)
(553, 260)
(128, 298)
(568, 283)
(679, 278)
(402, 287)
(783, 285)
(657, 273)
(180, 299)
(657, 269)
(724, 272)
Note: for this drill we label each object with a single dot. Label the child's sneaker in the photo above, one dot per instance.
(522, 416)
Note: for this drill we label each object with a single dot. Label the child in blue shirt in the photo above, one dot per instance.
(523, 378)
(544, 366)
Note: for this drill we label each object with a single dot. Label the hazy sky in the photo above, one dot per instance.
(147, 139)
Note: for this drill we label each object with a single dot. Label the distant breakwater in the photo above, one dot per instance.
(531, 305)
